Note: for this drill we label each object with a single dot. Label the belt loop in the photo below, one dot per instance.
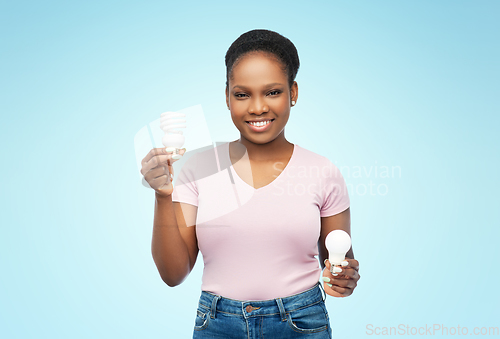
(323, 293)
(214, 304)
(282, 309)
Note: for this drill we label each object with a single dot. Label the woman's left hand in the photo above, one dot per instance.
(345, 282)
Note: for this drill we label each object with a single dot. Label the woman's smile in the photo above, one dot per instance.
(260, 125)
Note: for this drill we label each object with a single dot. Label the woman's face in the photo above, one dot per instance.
(258, 91)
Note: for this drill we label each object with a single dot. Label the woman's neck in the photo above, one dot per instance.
(275, 149)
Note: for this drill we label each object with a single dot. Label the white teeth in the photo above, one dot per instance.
(260, 123)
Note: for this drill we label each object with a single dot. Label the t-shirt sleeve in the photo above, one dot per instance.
(335, 197)
(185, 188)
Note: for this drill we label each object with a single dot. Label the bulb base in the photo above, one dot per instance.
(175, 152)
(336, 258)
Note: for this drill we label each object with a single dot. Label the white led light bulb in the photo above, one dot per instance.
(173, 139)
(337, 243)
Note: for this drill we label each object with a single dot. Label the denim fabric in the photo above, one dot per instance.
(303, 315)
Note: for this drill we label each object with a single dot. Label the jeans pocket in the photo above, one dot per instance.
(310, 319)
(202, 317)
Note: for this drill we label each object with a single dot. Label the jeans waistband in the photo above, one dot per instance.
(216, 303)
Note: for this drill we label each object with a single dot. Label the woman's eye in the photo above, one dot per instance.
(239, 95)
(274, 92)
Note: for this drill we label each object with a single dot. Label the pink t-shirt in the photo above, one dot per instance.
(260, 244)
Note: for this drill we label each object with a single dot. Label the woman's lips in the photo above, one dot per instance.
(260, 128)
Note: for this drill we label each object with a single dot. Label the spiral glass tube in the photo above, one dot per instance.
(173, 139)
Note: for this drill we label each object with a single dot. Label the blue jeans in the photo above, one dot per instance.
(302, 315)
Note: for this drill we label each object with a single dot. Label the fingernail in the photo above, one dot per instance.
(337, 269)
(344, 263)
(326, 279)
(335, 274)
(330, 285)
(324, 262)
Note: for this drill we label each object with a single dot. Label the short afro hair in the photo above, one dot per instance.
(266, 41)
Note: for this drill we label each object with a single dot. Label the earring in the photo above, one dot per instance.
(293, 102)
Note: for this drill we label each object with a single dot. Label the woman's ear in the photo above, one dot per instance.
(294, 92)
(227, 98)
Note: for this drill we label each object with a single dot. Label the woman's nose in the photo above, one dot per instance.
(258, 105)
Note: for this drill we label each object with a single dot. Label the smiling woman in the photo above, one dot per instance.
(259, 97)
(277, 294)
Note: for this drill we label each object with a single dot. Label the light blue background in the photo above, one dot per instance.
(410, 84)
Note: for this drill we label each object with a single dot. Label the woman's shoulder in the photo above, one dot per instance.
(311, 157)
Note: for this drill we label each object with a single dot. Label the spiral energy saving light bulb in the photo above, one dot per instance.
(337, 243)
(173, 139)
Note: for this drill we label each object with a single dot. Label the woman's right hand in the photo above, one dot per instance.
(158, 171)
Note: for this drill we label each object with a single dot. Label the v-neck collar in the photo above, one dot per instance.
(233, 171)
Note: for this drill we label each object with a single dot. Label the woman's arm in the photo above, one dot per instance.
(174, 246)
(342, 284)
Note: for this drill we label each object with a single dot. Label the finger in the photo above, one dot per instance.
(154, 160)
(329, 279)
(180, 152)
(328, 266)
(331, 268)
(157, 160)
(153, 152)
(336, 269)
(333, 293)
(351, 274)
(332, 290)
(352, 263)
(158, 176)
(343, 272)
(159, 182)
(345, 283)
(344, 292)
(339, 282)
(327, 275)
